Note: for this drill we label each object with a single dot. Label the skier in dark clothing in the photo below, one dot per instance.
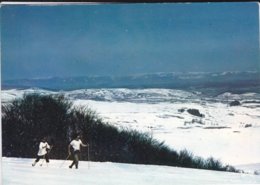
(76, 143)
(43, 151)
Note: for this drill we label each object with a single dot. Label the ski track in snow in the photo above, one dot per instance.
(18, 171)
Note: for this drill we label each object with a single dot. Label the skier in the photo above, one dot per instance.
(76, 143)
(43, 151)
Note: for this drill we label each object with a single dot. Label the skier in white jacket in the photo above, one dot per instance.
(76, 144)
(43, 153)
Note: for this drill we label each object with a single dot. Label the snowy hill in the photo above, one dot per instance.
(228, 133)
(18, 171)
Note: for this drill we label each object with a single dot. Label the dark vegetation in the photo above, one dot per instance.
(235, 103)
(195, 112)
(248, 125)
(25, 121)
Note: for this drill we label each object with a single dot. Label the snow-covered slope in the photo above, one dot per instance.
(228, 133)
(18, 171)
(250, 168)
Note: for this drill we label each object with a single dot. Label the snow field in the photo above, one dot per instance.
(18, 171)
(233, 145)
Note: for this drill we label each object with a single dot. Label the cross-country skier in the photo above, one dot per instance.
(76, 143)
(43, 151)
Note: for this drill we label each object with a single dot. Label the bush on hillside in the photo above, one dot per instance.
(195, 112)
(235, 103)
(25, 121)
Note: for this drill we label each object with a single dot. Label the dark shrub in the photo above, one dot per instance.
(235, 103)
(248, 125)
(214, 164)
(195, 112)
(25, 121)
(181, 110)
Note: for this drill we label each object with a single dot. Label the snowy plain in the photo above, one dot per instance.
(19, 171)
(228, 133)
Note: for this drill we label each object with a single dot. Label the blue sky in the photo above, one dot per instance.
(125, 39)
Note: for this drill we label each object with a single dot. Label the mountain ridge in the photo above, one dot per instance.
(205, 81)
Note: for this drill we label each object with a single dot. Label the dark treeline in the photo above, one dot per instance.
(25, 121)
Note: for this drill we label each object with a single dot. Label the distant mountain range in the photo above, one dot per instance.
(197, 81)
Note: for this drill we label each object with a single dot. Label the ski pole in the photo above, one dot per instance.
(64, 161)
(88, 157)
